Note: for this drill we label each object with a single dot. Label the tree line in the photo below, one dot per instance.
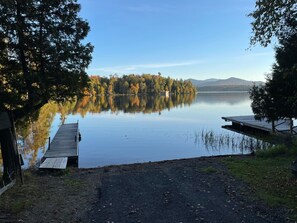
(133, 84)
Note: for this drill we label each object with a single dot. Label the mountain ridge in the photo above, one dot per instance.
(229, 84)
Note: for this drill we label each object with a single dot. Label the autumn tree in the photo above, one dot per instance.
(139, 84)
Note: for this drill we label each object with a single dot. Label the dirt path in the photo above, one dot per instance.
(192, 190)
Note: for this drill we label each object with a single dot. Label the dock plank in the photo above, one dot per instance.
(250, 121)
(54, 163)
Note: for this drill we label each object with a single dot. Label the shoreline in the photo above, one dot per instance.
(158, 162)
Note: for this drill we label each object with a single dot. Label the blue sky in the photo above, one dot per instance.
(180, 38)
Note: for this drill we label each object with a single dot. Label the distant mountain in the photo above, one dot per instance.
(230, 84)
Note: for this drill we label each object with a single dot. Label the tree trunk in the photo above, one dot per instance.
(273, 126)
(9, 155)
(9, 149)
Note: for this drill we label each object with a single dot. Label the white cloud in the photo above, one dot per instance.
(141, 67)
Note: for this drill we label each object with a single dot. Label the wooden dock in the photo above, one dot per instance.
(63, 147)
(249, 121)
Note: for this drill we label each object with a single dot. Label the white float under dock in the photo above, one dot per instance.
(63, 147)
(249, 121)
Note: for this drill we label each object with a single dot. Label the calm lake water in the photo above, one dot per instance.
(125, 130)
(117, 138)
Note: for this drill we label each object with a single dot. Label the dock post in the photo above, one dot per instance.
(49, 143)
(291, 126)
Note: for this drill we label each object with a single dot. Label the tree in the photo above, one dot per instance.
(283, 83)
(277, 99)
(273, 19)
(263, 104)
(42, 55)
(42, 58)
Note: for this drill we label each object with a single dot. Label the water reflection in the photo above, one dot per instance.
(33, 131)
(125, 129)
(231, 98)
(133, 104)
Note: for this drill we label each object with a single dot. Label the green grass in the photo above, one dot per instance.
(209, 169)
(269, 174)
(15, 199)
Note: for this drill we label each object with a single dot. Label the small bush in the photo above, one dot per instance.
(274, 151)
(293, 151)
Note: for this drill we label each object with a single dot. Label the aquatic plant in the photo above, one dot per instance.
(217, 141)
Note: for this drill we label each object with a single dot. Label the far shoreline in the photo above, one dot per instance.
(215, 92)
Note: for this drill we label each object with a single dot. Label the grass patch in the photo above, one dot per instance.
(73, 183)
(16, 200)
(18, 206)
(276, 151)
(269, 175)
(209, 169)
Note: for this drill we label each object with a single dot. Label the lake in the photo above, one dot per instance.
(124, 130)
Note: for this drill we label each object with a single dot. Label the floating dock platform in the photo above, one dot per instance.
(64, 147)
(249, 122)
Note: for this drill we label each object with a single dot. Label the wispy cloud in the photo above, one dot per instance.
(252, 55)
(249, 55)
(144, 67)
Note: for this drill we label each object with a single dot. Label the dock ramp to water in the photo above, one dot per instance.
(63, 147)
(249, 121)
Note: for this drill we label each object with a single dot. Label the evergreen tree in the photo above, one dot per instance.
(278, 97)
(273, 19)
(42, 57)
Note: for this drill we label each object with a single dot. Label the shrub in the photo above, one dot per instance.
(274, 151)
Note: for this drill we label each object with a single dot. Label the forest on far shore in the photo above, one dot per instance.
(138, 84)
